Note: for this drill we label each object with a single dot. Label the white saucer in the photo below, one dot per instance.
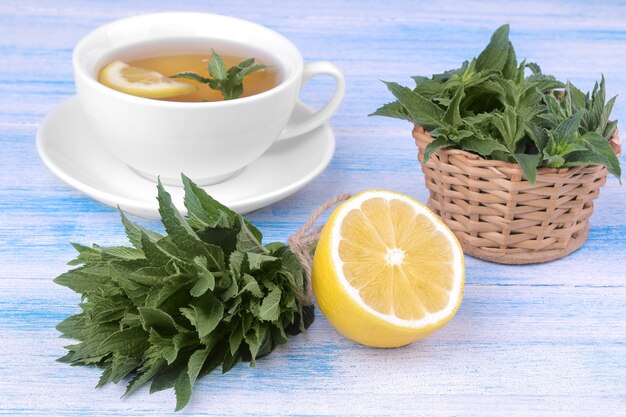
(67, 146)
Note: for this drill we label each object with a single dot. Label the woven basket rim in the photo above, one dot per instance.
(423, 135)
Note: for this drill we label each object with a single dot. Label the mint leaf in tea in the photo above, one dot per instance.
(229, 82)
(199, 77)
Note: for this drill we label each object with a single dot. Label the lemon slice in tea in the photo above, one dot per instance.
(387, 271)
(142, 82)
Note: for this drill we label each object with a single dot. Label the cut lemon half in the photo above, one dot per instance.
(142, 82)
(387, 271)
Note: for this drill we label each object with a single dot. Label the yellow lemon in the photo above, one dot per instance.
(387, 271)
(142, 82)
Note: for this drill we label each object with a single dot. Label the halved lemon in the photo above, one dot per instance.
(387, 271)
(142, 82)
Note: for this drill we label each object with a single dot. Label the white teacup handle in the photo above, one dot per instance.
(322, 115)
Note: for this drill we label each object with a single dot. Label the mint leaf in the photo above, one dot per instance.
(153, 253)
(255, 339)
(203, 209)
(123, 253)
(611, 128)
(583, 158)
(205, 212)
(393, 109)
(537, 134)
(217, 68)
(196, 361)
(534, 68)
(482, 146)
(152, 365)
(434, 146)
(428, 88)
(182, 388)
(158, 320)
(229, 361)
(600, 146)
(251, 286)
(453, 114)
(249, 70)
(86, 254)
(249, 237)
(270, 307)
(204, 314)
(124, 341)
(86, 278)
(134, 232)
(192, 76)
(235, 339)
(569, 126)
(577, 97)
(176, 226)
(167, 377)
(495, 54)
(121, 366)
(510, 68)
(167, 347)
(604, 118)
(246, 63)
(528, 164)
(206, 279)
(424, 112)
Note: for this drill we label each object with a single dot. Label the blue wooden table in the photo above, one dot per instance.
(543, 340)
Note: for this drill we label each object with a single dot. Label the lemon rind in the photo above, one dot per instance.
(110, 76)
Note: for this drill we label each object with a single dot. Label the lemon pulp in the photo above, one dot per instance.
(387, 271)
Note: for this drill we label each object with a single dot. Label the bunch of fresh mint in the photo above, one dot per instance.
(173, 308)
(491, 107)
(229, 81)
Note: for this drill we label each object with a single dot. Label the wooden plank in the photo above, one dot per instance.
(528, 341)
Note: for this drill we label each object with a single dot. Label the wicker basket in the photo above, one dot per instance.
(499, 216)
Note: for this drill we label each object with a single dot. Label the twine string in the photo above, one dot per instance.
(301, 241)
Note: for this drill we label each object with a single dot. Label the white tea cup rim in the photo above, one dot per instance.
(83, 46)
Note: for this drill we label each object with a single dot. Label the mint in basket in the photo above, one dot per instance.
(506, 110)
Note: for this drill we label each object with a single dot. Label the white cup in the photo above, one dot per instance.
(209, 141)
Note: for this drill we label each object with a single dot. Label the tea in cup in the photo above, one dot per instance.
(199, 133)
